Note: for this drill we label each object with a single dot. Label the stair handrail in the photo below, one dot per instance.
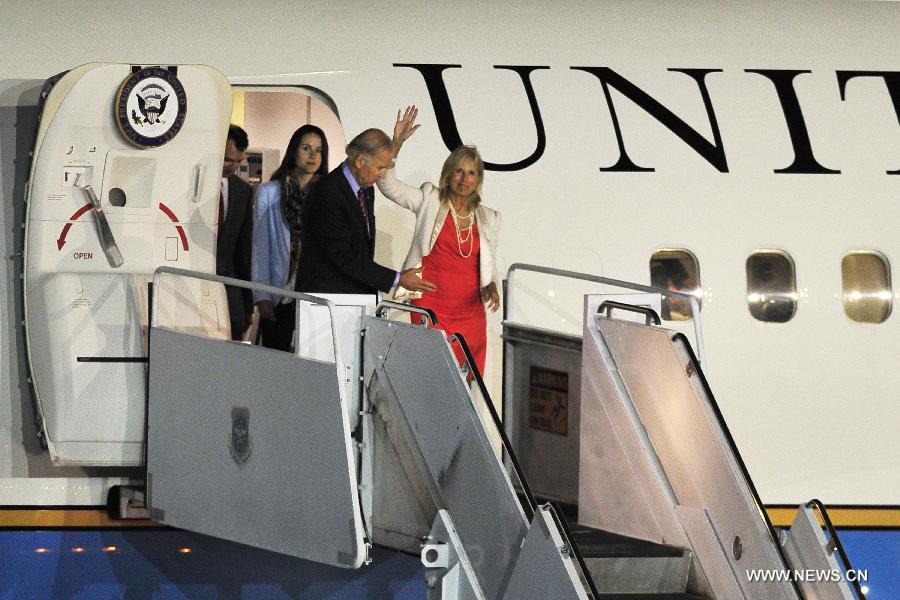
(742, 467)
(386, 305)
(834, 544)
(563, 526)
(251, 285)
(690, 298)
(498, 423)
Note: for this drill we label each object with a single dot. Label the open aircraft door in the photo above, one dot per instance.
(124, 178)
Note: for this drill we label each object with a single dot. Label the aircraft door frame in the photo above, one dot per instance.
(87, 259)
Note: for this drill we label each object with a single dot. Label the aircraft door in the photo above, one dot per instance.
(124, 178)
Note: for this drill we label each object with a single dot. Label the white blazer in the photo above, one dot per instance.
(430, 213)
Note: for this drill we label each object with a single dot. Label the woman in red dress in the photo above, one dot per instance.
(455, 241)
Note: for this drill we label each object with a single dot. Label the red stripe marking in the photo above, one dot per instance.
(80, 212)
(61, 240)
(174, 219)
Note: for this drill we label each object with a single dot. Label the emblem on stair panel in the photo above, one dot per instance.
(150, 107)
(240, 443)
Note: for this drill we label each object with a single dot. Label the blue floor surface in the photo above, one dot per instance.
(138, 565)
(152, 565)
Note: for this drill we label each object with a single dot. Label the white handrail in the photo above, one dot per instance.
(691, 298)
(338, 361)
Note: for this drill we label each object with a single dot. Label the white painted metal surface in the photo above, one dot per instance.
(654, 397)
(79, 306)
(563, 210)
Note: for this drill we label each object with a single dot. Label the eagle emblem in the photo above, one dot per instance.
(151, 106)
(239, 443)
(152, 103)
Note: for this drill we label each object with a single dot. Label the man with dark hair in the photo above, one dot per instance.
(235, 231)
(338, 240)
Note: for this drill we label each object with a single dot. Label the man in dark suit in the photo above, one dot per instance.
(235, 232)
(338, 239)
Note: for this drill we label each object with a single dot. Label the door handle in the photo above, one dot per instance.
(104, 233)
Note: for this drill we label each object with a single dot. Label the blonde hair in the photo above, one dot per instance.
(452, 163)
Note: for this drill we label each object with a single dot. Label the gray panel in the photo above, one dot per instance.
(621, 490)
(692, 448)
(549, 452)
(448, 572)
(295, 492)
(417, 389)
(401, 516)
(805, 546)
(545, 568)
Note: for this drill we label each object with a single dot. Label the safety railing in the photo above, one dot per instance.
(563, 526)
(736, 454)
(690, 298)
(386, 305)
(338, 361)
(834, 545)
(498, 423)
(532, 507)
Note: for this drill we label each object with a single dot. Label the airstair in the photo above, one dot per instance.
(318, 457)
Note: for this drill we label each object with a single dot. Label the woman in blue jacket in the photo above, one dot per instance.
(276, 231)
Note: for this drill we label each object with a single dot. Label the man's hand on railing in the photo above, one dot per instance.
(411, 279)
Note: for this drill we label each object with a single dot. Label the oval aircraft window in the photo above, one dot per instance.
(866, 283)
(675, 270)
(771, 286)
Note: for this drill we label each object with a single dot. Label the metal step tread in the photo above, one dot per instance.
(650, 597)
(596, 543)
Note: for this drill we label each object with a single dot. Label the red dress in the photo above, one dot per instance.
(453, 267)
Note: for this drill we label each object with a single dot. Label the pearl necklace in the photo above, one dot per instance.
(463, 235)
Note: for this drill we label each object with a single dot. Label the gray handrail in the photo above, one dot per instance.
(692, 299)
(386, 305)
(338, 361)
(835, 545)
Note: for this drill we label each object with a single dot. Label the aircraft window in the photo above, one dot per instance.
(675, 270)
(867, 287)
(771, 286)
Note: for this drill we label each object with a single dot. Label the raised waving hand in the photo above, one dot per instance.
(404, 127)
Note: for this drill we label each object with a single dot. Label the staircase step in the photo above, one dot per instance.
(650, 597)
(625, 567)
(598, 543)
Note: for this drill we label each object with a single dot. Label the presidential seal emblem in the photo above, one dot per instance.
(150, 107)
(239, 443)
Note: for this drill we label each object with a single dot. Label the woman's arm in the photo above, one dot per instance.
(494, 238)
(261, 266)
(400, 193)
(490, 294)
(396, 191)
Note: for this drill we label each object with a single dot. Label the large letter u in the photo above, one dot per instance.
(443, 111)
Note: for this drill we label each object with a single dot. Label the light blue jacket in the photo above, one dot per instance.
(271, 241)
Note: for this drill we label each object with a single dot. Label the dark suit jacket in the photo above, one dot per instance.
(336, 252)
(233, 251)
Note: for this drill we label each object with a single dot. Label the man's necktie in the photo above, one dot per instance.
(221, 218)
(361, 196)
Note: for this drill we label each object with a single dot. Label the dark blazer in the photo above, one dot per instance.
(337, 253)
(234, 251)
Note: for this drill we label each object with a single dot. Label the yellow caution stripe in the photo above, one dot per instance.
(88, 518)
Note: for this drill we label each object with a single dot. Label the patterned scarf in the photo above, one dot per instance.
(293, 197)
